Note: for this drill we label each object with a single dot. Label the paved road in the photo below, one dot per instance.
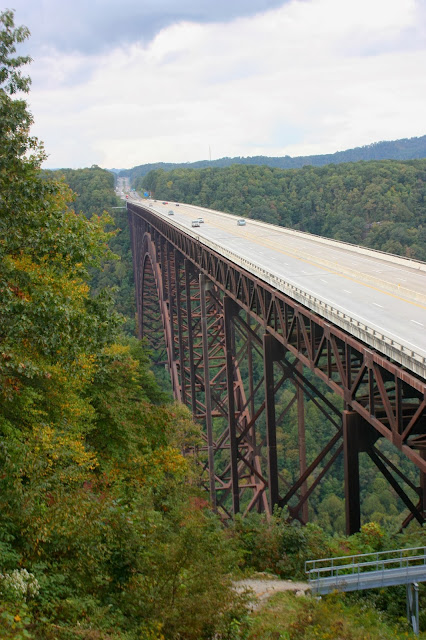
(389, 298)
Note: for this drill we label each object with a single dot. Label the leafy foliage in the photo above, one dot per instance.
(97, 504)
(93, 190)
(290, 618)
(376, 204)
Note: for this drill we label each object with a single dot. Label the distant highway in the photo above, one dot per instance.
(384, 294)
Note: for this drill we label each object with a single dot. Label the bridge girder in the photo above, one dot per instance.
(216, 318)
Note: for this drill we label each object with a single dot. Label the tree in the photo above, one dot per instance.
(99, 526)
(46, 314)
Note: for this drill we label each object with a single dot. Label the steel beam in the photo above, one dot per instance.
(230, 309)
(352, 424)
(272, 351)
(374, 390)
(204, 284)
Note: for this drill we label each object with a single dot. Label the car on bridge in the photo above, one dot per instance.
(201, 220)
(195, 223)
(171, 213)
(241, 223)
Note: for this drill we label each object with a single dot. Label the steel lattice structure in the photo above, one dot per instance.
(244, 357)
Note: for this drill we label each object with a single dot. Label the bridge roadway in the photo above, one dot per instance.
(376, 297)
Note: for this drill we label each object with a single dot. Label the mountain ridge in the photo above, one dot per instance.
(402, 149)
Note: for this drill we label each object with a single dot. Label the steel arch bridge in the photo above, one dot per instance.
(245, 357)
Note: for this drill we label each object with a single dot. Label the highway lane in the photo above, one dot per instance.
(350, 282)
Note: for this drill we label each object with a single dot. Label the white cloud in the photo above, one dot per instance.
(314, 76)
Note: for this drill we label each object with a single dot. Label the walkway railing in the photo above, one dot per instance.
(371, 571)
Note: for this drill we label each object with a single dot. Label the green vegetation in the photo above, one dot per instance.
(405, 149)
(287, 617)
(101, 531)
(93, 190)
(376, 204)
(282, 548)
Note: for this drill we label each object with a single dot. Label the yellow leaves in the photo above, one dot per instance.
(42, 274)
(170, 460)
(60, 450)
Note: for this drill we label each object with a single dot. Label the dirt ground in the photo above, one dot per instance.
(266, 586)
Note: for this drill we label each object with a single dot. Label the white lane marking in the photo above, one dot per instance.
(323, 280)
(378, 305)
(415, 322)
(367, 322)
(346, 291)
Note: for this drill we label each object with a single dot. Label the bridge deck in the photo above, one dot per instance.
(380, 299)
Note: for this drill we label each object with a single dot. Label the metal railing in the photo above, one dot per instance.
(326, 571)
(370, 571)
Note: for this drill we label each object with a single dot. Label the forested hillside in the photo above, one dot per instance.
(93, 189)
(102, 533)
(405, 149)
(93, 193)
(377, 204)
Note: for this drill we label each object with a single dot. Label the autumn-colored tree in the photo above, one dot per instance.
(99, 528)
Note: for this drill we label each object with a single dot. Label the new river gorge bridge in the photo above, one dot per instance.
(264, 329)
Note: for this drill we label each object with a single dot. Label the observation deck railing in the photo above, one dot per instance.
(371, 571)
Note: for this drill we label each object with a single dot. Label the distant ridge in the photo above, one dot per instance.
(404, 149)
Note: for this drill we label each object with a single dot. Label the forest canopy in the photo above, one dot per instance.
(404, 149)
(376, 204)
(101, 534)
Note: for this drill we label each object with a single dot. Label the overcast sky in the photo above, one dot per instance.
(126, 82)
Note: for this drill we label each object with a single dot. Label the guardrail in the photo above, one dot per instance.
(387, 345)
(418, 265)
(392, 287)
(362, 563)
(371, 571)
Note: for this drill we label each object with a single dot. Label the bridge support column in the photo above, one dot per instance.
(358, 436)
(230, 310)
(204, 286)
(413, 606)
(188, 276)
(272, 352)
(351, 448)
(302, 442)
(180, 327)
(423, 486)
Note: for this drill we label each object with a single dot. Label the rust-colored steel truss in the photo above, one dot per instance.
(244, 357)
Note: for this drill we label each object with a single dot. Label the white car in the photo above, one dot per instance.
(195, 223)
(171, 213)
(201, 220)
(241, 223)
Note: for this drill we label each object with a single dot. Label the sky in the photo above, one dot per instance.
(124, 83)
